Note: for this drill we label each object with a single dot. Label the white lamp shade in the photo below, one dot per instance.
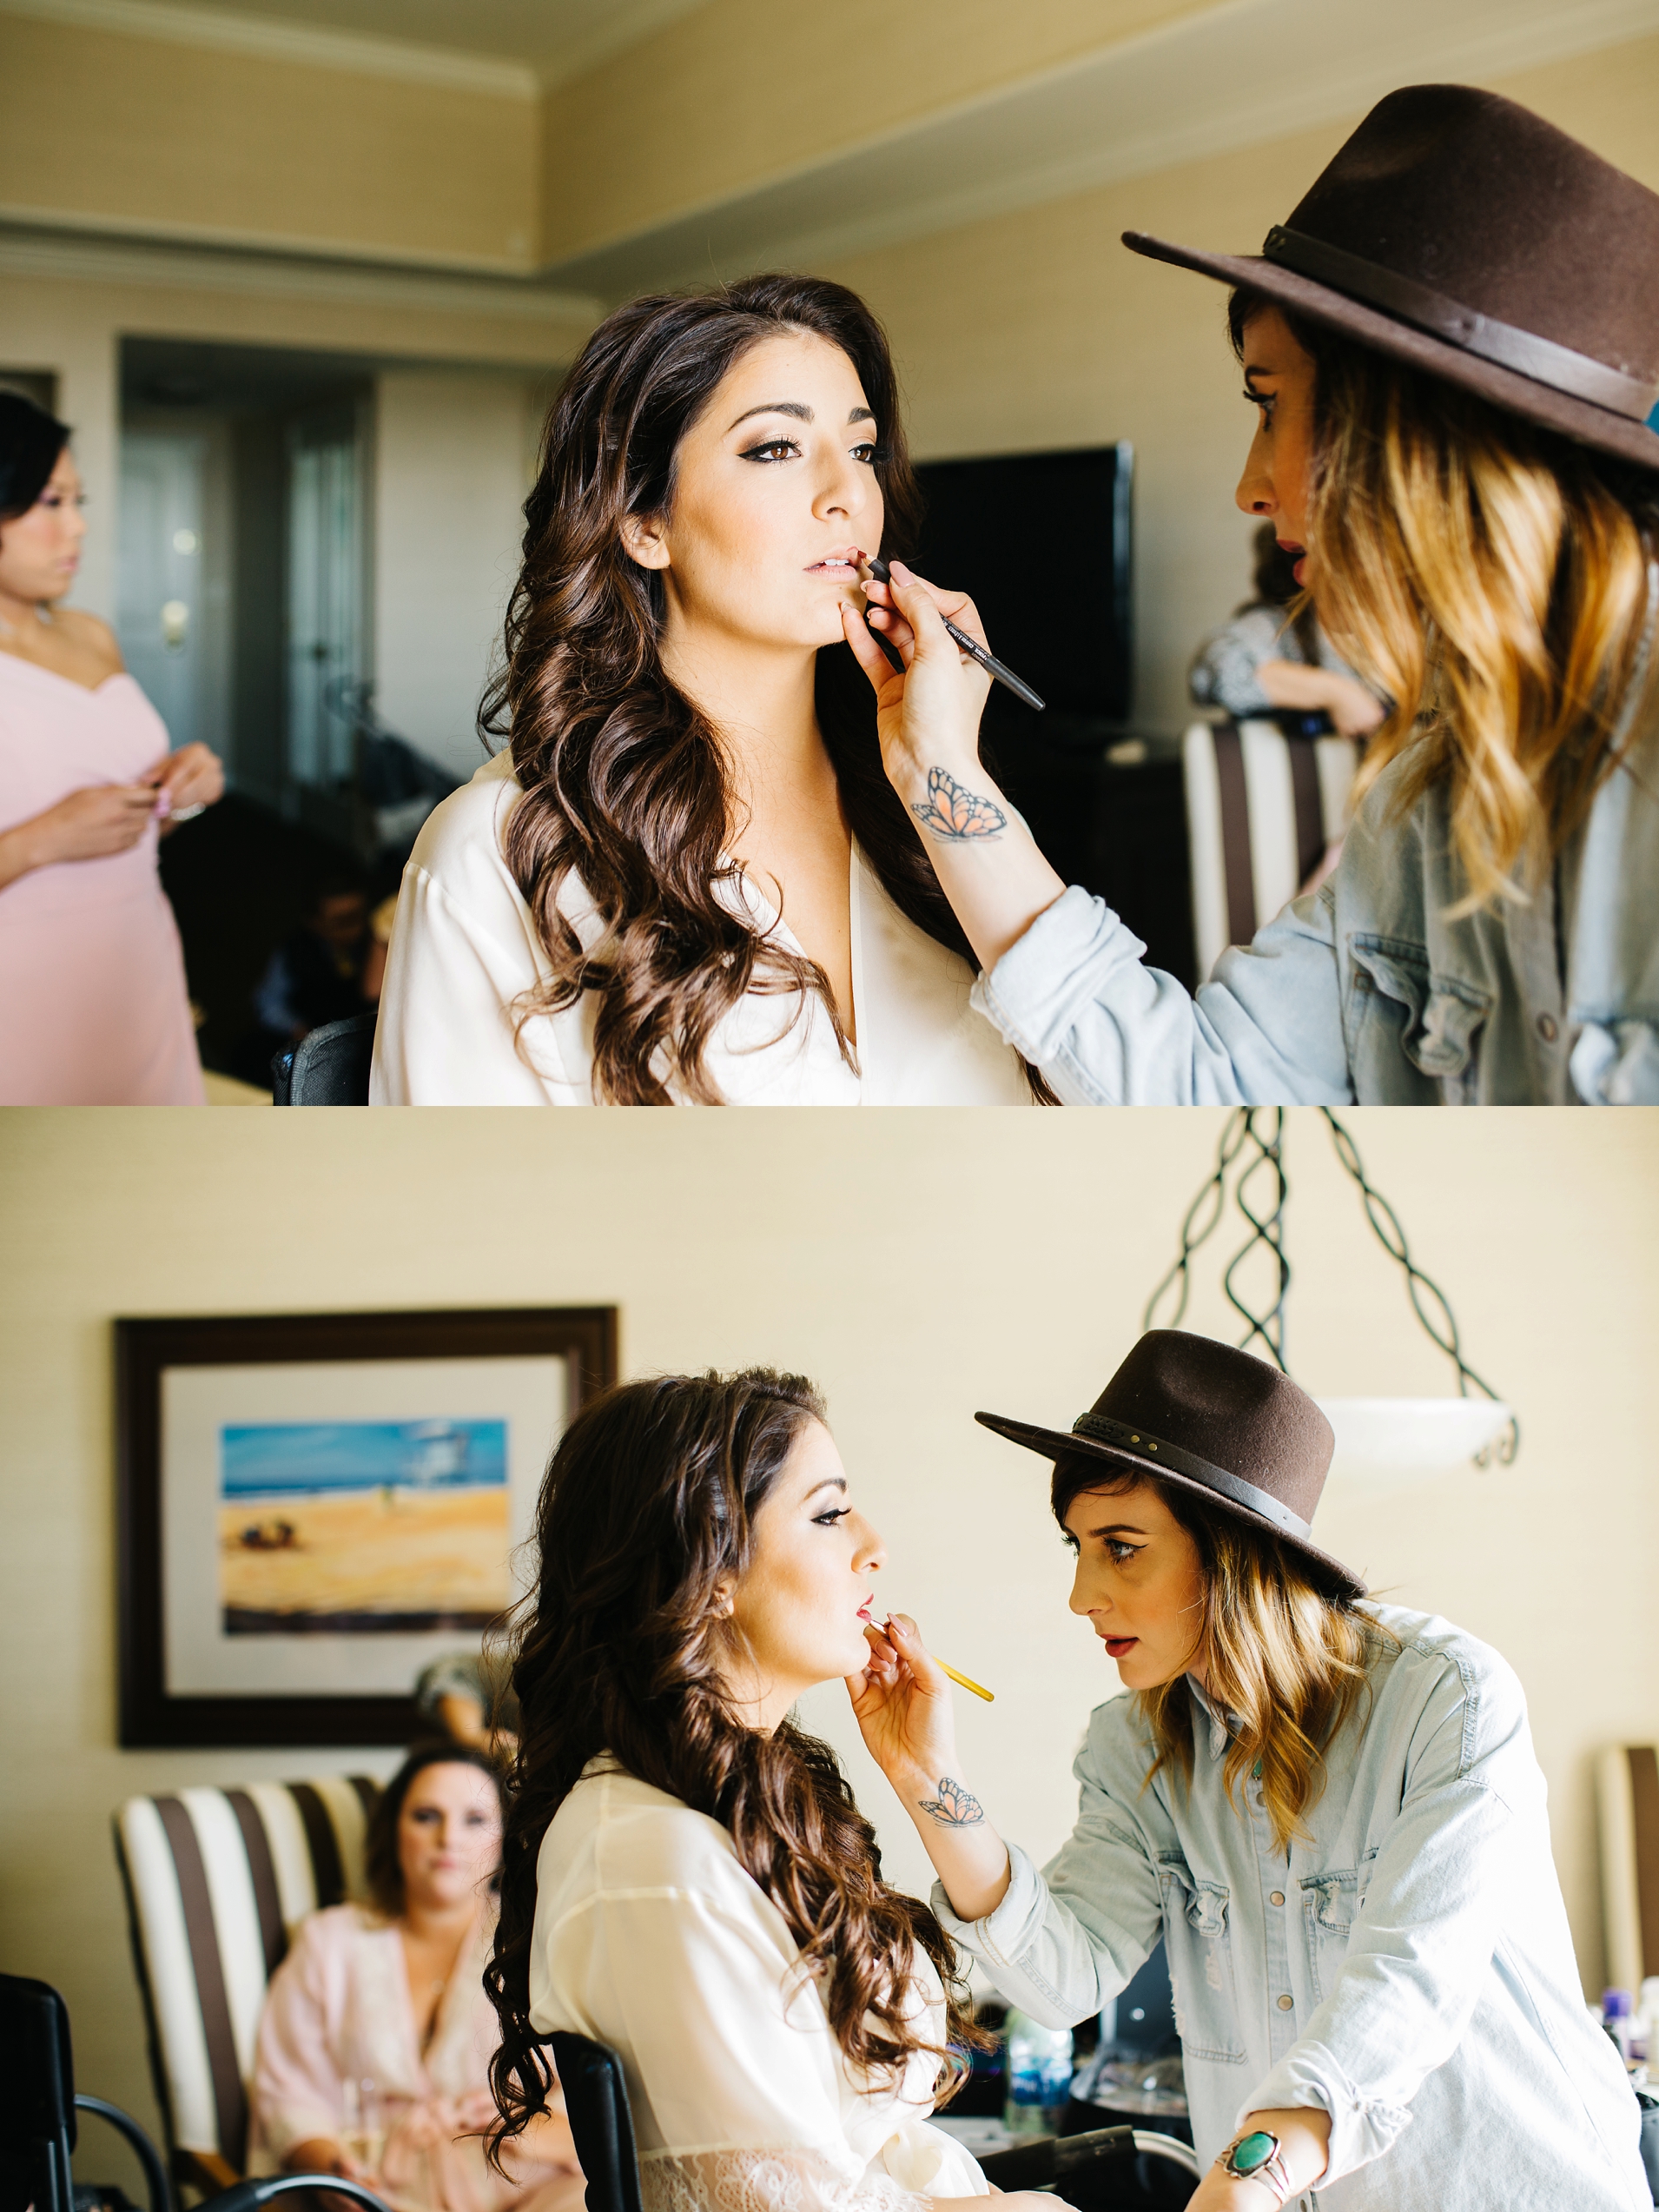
(1411, 1439)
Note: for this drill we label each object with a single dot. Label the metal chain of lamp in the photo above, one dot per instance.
(1251, 1153)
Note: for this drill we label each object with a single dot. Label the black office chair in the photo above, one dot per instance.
(1113, 2169)
(38, 2131)
(328, 1067)
(602, 2126)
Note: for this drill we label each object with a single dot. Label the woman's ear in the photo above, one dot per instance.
(644, 541)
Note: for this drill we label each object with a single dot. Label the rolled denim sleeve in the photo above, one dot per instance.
(1063, 1942)
(1073, 996)
(1424, 1942)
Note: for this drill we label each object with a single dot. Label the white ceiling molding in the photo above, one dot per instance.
(1239, 73)
(267, 39)
(27, 251)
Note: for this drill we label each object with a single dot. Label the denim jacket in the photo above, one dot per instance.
(1407, 1966)
(1369, 989)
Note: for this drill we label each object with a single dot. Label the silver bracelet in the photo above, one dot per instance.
(1253, 2155)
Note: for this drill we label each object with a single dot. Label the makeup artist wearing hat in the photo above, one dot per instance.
(1328, 1808)
(1452, 349)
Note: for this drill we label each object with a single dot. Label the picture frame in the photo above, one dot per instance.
(311, 1507)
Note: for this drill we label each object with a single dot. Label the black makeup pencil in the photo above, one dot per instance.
(971, 646)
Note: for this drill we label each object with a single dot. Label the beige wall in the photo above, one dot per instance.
(132, 134)
(740, 91)
(1038, 329)
(449, 487)
(921, 1266)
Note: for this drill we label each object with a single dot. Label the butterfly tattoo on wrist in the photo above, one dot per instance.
(953, 1807)
(951, 810)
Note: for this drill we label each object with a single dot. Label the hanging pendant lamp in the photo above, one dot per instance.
(1378, 1439)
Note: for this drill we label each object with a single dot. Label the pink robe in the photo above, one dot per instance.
(93, 1006)
(338, 2009)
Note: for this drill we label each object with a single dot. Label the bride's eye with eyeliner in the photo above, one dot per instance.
(771, 449)
(829, 1519)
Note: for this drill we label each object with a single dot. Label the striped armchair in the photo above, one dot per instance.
(216, 1882)
(1261, 808)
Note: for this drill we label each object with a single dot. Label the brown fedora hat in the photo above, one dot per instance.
(1464, 234)
(1208, 1417)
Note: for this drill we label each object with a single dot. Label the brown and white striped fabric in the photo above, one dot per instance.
(1627, 1785)
(1261, 808)
(217, 1882)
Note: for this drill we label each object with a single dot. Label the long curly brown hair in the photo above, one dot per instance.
(624, 780)
(647, 1516)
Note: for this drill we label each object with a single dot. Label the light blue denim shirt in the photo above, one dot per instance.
(1408, 1967)
(1372, 988)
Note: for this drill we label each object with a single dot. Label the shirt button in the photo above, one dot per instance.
(1286, 2002)
(1278, 1897)
(1547, 1028)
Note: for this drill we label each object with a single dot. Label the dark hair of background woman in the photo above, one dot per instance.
(624, 781)
(646, 1516)
(30, 441)
(383, 1871)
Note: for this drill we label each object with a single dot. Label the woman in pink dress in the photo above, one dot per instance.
(374, 2048)
(93, 1008)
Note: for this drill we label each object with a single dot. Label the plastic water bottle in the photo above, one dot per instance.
(1618, 2018)
(1040, 2076)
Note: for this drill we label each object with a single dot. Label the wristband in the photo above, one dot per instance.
(1253, 2155)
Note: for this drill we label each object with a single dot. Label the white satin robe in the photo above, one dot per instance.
(650, 1936)
(464, 949)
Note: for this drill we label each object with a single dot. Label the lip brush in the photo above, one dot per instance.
(967, 1681)
(1005, 675)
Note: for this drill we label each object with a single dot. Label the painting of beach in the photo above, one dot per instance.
(363, 1528)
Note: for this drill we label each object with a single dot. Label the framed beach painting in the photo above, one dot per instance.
(315, 1507)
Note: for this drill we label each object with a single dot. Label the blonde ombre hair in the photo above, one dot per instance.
(1282, 1658)
(1492, 578)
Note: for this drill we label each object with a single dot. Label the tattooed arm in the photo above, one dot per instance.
(903, 1703)
(926, 720)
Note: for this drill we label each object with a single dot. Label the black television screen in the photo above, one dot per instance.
(1041, 543)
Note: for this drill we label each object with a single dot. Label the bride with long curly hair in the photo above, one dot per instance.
(685, 1875)
(686, 878)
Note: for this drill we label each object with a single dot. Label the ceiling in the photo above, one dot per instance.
(556, 38)
(1226, 75)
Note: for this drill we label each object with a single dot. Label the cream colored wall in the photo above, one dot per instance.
(921, 1266)
(740, 91)
(1038, 329)
(449, 487)
(131, 134)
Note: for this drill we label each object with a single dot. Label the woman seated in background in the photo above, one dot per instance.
(685, 1875)
(687, 880)
(374, 2051)
(1269, 661)
(92, 972)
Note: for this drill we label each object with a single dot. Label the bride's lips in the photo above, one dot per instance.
(844, 562)
(1117, 1646)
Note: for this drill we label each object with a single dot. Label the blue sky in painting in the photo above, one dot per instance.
(276, 1459)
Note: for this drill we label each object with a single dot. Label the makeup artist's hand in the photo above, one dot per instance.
(904, 1707)
(926, 720)
(927, 716)
(903, 1704)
